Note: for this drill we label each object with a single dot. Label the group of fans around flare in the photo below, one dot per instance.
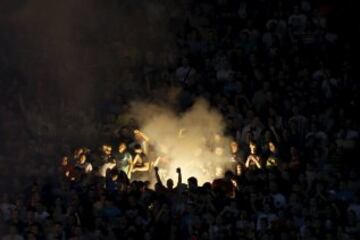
(137, 158)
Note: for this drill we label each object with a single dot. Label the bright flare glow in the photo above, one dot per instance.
(193, 141)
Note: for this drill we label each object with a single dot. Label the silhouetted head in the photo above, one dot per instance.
(170, 183)
(193, 183)
(229, 175)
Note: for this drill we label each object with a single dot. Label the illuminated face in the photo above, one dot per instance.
(103, 148)
(64, 161)
(234, 147)
(272, 147)
(82, 159)
(252, 148)
(114, 177)
(219, 172)
(106, 149)
(138, 135)
(122, 147)
(78, 152)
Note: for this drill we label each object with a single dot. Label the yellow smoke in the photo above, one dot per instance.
(184, 137)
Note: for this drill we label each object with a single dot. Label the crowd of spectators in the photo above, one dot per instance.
(283, 78)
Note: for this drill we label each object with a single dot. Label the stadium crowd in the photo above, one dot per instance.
(283, 79)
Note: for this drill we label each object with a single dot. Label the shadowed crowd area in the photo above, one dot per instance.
(216, 119)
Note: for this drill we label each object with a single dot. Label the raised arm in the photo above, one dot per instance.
(247, 163)
(143, 135)
(254, 159)
(178, 170)
(156, 162)
(136, 159)
(145, 168)
(157, 175)
(257, 162)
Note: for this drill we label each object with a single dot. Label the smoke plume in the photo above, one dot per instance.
(64, 61)
(192, 140)
(71, 56)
